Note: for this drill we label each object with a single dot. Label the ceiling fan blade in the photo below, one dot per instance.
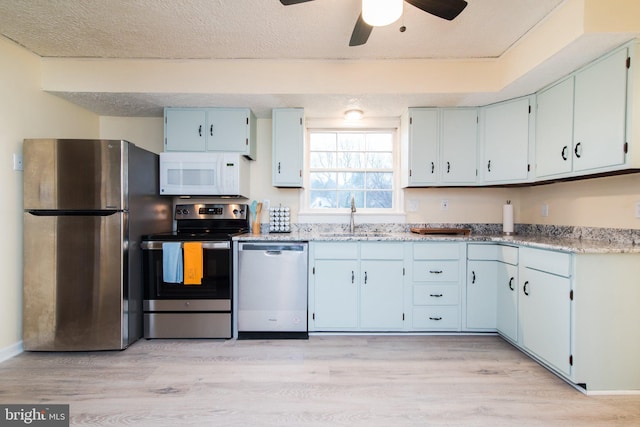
(361, 32)
(290, 2)
(445, 9)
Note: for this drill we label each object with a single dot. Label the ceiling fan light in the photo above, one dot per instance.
(353, 115)
(379, 13)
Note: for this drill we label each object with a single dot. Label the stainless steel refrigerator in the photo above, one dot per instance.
(87, 204)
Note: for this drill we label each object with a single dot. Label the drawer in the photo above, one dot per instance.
(436, 251)
(436, 271)
(381, 250)
(436, 295)
(553, 262)
(342, 250)
(493, 252)
(436, 317)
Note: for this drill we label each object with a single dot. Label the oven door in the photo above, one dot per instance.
(216, 280)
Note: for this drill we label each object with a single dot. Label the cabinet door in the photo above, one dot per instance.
(600, 113)
(228, 129)
(288, 147)
(554, 129)
(381, 297)
(459, 145)
(481, 294)
(184, 129)
(336, 294)
(506, 141)
(507, 293)
(423, 146)
(545, 312)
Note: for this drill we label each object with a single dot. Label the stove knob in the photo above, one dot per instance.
(185, 211)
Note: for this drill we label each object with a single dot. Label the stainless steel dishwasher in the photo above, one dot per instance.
(272, 290)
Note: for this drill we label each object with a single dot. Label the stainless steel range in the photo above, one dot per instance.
(188, 274)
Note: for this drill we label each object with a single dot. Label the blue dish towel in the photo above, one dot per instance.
(172, 262)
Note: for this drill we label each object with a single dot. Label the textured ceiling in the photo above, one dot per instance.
(264, 29)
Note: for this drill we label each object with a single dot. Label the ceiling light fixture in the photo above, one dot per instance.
(353, 115)
(379, 13)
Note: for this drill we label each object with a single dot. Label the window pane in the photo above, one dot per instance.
(379, 199)
(323, 199)
(379, 181)
(351, 160)
(344, 199)
(322, 180)
(379, 161)
(350, 180)
(322, 141)
(322, 160)
(351, 142)
(379, 142)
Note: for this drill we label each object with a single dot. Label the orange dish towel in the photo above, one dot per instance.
(192, 263)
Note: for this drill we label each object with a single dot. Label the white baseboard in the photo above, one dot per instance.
(11, 351)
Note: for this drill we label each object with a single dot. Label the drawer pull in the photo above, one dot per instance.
(511, 284)
(473, 277)
(353, 277)
(435, 271)
(435, 295)
(524, 288)
(435, 318)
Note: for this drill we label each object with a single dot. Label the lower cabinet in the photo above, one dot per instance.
(544, 305)
(356, 286)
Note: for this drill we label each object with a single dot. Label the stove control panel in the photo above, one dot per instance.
(211, 211)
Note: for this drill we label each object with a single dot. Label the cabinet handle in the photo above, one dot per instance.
(278, 167)
(435, 318)
(211, 130)
(473, 277)
(200, 130)
(564, 153)
(353, 277)
(524, 288)
(511, 284)
(433, 167)
(448, 167)
(489, 166)
(435, 295)
(578, 150)
(435, 271)
(365, 277)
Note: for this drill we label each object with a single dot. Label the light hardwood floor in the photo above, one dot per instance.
(325, 381)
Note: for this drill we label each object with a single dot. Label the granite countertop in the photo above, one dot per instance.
(559, 243)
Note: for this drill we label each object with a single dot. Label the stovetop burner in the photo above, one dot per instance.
(206, 222)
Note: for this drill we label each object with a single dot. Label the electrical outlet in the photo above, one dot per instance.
(17, 162)
(444, 205)
(413, 205)
(544, 211)
(637, 209)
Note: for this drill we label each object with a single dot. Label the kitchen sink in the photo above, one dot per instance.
(357, 234)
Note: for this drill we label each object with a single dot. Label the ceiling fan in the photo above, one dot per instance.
(445, 9)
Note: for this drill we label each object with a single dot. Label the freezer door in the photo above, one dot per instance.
(74, 289)
(74, 174)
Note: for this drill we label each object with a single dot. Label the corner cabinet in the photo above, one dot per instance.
(505, 141)
(210, 129)
(439, 146)
(356, 286)
(287, 147)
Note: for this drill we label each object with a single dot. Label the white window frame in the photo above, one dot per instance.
(364, 215)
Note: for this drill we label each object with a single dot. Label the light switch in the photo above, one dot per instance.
(17, 162)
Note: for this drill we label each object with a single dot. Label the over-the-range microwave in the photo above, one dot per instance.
(204, 174)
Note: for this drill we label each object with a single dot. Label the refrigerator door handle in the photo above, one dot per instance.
(50, 212)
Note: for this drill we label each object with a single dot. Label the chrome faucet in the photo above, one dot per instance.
(352, 224)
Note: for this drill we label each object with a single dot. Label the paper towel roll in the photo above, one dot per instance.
(507, 219)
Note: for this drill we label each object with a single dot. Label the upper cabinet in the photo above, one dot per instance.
(505, 141)
(439, 146)
(210, 129)
(581, 121)
(288, 147)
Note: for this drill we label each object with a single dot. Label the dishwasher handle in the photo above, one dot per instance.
(276, 249)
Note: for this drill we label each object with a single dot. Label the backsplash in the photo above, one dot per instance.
(611, 235)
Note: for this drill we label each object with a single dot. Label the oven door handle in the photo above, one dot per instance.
(153, 245)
